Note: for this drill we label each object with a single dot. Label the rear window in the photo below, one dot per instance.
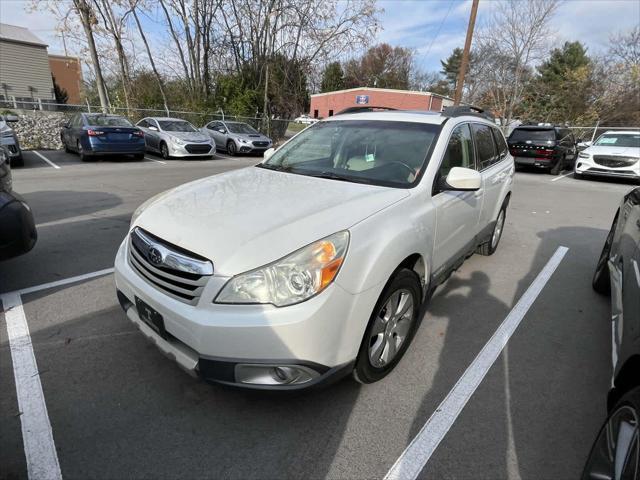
(524, 134)
(107, 121)
(613, 140)
(484, 145)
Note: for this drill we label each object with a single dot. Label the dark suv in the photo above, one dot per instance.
(543, 146)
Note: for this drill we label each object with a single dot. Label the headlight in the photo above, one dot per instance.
(584, 155)
(178, 141)
(242, 140)
(292, 279)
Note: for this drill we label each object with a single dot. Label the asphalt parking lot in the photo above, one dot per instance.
(119, 409)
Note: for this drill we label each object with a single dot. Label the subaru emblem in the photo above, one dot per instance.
(154, 256)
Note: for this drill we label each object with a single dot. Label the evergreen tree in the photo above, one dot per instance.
(332, 78)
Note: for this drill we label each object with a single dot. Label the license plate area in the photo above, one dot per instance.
(151, 317)
(525, 160)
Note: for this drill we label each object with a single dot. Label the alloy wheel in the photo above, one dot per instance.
(391, 326)
(497, 231)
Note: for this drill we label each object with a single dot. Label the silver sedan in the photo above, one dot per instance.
(236, 137)
(174, 137)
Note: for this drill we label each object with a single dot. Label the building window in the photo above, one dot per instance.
(331, 113)
(315, 114)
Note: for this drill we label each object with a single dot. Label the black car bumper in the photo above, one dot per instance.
(18, 233)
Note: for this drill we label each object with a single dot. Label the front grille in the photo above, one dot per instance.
(178, 273)
(260, 144)
(613, 161)
(193, 148)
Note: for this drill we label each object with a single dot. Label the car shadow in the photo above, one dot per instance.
(61, 204)
(542, 402)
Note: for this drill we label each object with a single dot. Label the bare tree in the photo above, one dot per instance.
(515, 37)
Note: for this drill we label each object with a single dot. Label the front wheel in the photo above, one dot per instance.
(391, 328)
(601, 281)
(231, 148)
(164, 151)
(491, 246)
(616, 451)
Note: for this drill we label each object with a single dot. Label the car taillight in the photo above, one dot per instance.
(544, 152)
(138, 133)
(94, 133)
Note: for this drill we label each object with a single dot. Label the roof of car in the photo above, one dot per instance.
(623, 132)
(171, 119)
(418, 116)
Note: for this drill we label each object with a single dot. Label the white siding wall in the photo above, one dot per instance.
(23, 66)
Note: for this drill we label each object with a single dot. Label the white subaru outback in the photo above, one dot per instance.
(317, 262)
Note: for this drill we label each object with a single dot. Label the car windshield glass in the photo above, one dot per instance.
(524, 134)
(176, 126)
(241, 128)
(107, 121)
(613, 140)
(365, 151)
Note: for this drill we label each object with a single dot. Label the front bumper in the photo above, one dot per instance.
(250, 148)
(322, 334)
(588, 167)
(183, 150)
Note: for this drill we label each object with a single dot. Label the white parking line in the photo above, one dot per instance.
(65, 281)
(561, 177)
(37, 436)
(419, 451)
(46, 159)
(154, 160)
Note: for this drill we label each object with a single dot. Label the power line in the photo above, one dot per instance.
(439, 28)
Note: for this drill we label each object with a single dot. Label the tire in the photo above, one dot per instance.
(577, 176)
(17, 161)
(139, 156)
(384, 329)
(557, 168)
(64, 144)
(81, 153)
(624, 417)
(601, 282)
(231, 148)
(164, 151)
(490, 247)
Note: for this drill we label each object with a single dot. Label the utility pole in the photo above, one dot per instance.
(465, 53)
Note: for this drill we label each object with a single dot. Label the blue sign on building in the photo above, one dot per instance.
(362, 99)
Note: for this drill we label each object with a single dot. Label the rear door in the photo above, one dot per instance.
(153, 135)
(492, 165)
(457, 213)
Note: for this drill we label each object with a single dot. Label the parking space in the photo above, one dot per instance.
(117, 408)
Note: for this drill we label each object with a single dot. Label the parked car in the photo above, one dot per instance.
(9, 139)
(18, 233)
(616, 451)
(93, 134)
(236, 137)
(316, 262)
(174, 137)
(613, 154)
(543, 146)
(305, 119)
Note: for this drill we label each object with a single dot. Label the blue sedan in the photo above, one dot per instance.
(92, 134)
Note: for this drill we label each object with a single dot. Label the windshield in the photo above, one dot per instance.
(364, 151)
(176, 126)
(235, 127)
(540, 135)
(107, 121)
(613, 140)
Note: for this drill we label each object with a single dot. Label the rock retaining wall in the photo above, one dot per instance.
(39, 130)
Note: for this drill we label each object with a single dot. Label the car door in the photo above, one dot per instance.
(457, 212)
(491, 164)
(144, 126)
(154, 134)
(213, 130)
(76, 131)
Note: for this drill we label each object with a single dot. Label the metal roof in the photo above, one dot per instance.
(13, 33)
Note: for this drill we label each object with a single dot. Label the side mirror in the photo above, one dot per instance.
(462, 179)
(269, 153)
(151, 127)
(11, 118)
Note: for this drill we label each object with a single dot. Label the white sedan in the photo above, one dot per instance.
(613, 154)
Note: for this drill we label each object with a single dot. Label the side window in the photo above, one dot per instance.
(500, 143)
(143, 123)
(213, 125)
(153, 123)
(459, 151)
(485, 146)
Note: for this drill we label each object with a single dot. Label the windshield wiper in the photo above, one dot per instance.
(336, 176)
(277, 168)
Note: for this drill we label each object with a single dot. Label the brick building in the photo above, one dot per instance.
(328, 104)
(68, 74)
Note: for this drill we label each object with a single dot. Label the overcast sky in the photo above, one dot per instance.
(432, 27)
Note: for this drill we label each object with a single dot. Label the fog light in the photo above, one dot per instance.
(257, 374)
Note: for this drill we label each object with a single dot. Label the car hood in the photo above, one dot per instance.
(189, 136)
(251, 137)
(613, 150)
(247, 218)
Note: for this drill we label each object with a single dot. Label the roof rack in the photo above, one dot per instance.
(466, 110)
(364, 109)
